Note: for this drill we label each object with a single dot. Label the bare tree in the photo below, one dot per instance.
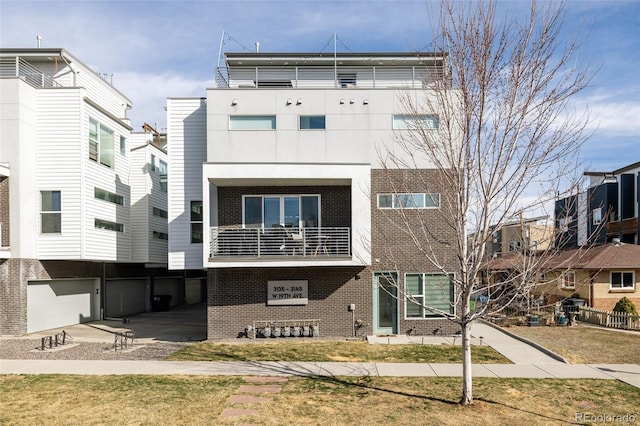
(506, 141)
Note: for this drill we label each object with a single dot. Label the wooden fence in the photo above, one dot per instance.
(610, 319)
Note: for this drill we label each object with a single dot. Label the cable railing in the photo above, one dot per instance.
(329, 77)
(278, 241)
(18, 67)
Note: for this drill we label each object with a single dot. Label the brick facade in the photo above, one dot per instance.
(238, 296)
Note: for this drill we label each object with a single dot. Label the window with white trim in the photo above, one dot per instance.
(597, 216)
(432, 294)
(415, 121)
(50, 212)
(108, 225)
(569, 279)
(291, 211)
(416, 200)
(252, 122)
(564, 222)
(105, 195)
(101, 143)
(623, 280)
(196, 222)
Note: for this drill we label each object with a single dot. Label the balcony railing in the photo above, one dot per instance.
(18, 67)
(328, 77)
(276, 242)
(624, 226)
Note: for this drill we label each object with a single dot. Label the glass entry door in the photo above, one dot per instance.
(385, 303)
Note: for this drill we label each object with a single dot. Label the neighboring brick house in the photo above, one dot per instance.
(66, 250)
(607, 210)
(278, 190)
(601, 275)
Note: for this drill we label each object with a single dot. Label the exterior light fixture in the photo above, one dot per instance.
(351, 101)
(341, 101)
(289, 101)
(365, 102)
(299, 101)
(234, 102)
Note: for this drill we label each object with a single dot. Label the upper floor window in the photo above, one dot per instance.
(515, 245)
(160, 235)
(291, 211)
(101, 144)
(160, 166)
(159, 212)
(50, 212)
(564, 222)
(312, 122)
(418, 200)
(252, 122)
(623, 280)
(196, 221)
(432, 295)
(123, 146)
(597, 216)
(417, 121)
(101, 194)
(108, 225)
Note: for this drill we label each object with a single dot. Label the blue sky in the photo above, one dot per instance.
(160, 49)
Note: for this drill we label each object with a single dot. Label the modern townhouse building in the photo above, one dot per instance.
(531, 234)
(279, 190)
(66, 198)
(607, 211)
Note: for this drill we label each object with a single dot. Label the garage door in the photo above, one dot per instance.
(126, 297)
(170, 286)
(60, 303)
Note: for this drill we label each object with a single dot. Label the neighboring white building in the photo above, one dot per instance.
(66, 226)
(277, 188)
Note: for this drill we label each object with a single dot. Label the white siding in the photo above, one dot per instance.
(59, 140)
(102, 244)
(187, 149)
(140, 210)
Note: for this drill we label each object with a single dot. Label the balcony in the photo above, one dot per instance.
(624, 226)
(18, 67)
(279, 243)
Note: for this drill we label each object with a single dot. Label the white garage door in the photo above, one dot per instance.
(60, 303)
(126, 297)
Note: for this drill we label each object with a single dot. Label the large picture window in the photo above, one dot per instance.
(50, 212)
(101, 144)
(291, 211)
(433, 295)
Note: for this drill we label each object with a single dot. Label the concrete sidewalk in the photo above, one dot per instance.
(628, 373)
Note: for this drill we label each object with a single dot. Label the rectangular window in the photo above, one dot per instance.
(312, 122)
(252, 122)
(162, 171)
(432, 294)
(196, 222)
(50, 212)
(159, 212)
(569, 279)
(515, 246)
(123, 146)
(417, 121)
(597, 216)
(564, 222)
(623, 280)
(101, 143)
(160, 235)
(409, 201)
(290, 211)
(101, 194)
(108, 225)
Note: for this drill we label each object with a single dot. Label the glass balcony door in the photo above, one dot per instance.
(290, 211)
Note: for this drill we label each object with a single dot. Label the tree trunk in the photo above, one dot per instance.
(467, 376)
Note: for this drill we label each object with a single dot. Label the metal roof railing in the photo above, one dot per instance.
(18, 67)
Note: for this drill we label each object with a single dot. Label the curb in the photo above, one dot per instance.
(527, 341)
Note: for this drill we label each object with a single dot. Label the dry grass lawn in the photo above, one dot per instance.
(586, 345)
(179, 400)
(328, 351)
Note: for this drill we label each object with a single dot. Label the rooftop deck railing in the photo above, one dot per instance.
(18, 67)
(328, 77)
(277, 242)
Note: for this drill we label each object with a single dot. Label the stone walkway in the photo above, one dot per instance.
(246, 395)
